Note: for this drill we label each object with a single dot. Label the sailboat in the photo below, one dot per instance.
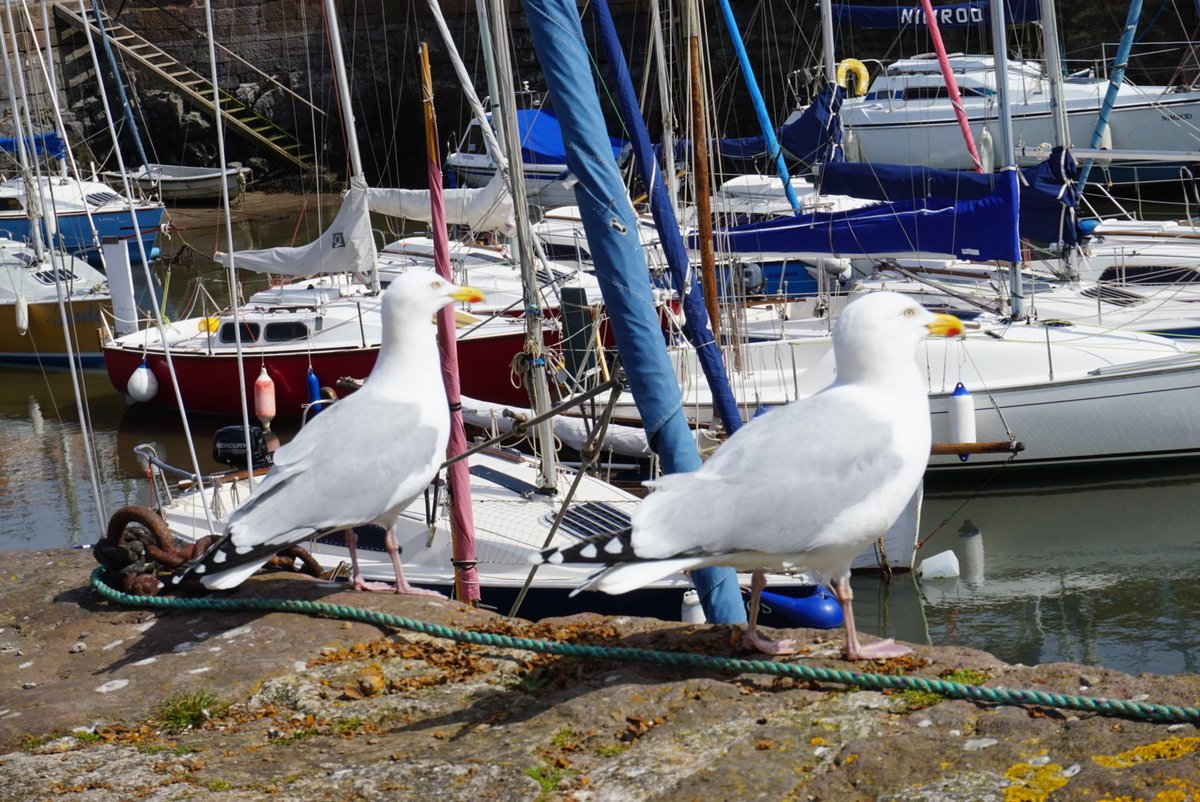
(54, 201)
(905, 115)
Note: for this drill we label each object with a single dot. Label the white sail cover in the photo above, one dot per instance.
(486, 208)
(345, 247)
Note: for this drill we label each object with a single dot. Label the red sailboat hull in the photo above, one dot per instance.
(208, 383)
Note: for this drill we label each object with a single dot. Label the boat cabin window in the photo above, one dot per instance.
(249, 333)
(939, 92)
(1150, 274)
(285, 331)
(50, 277)
(10, 205)
(566, 252)
(101, 198)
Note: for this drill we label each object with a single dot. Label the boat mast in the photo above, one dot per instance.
(535, 375)
(700, 179)
(1050, 43)
(760, 106)
(1115, 77)
(458, 474)
(1007, 158)
(935, 34)
(228, 219)
(130, 119)
(343, 88)
(668, 114)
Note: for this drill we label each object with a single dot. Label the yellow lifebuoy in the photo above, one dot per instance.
(852, 66)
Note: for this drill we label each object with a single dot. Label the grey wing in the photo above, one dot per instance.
(775, 486)
(349, 471)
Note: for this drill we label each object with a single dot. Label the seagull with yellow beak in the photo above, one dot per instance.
(363, 460)
(806, 487)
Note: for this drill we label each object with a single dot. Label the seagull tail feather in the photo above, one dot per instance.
(607, 548)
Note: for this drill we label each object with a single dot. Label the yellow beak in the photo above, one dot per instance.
(467, 294)
(945, 326)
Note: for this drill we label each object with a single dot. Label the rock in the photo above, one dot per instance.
(483, 723)
(77, 648)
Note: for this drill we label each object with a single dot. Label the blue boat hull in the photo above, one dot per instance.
(76, 232)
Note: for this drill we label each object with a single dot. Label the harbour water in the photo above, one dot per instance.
(1096, 569)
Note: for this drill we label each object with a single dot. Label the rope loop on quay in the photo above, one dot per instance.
(1118, 708)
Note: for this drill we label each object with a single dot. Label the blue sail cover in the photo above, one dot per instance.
(542, 138)
(620, 262)
(47, 144)
(980, 229)
(958, 15)
(813, 137)
(816, 136)
(1047, 191)
(695, 326)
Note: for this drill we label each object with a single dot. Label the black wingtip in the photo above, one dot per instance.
(607, 548)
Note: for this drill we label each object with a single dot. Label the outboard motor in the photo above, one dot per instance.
(229, 446)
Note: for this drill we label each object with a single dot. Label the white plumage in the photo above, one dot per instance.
(807, 486)
(363, 459)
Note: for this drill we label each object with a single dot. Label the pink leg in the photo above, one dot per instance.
(854, 650)
(751, 639)
(402, 585)
(356, 577)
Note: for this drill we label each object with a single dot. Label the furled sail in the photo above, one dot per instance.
(346, 246)
(486, 208)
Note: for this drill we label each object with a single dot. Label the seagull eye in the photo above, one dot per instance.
(437, 285)
(909, 312)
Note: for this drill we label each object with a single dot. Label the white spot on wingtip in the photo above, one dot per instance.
(556, 558)
(200, 568)
(219, 557)
(613, 546)
(588, 551)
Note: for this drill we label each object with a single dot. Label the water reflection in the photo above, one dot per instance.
(1102, 572)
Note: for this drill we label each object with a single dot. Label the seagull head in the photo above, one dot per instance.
(882, 329)
(417, 294)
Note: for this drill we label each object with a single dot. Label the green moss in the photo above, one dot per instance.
(186, 711)
(566, 738)
(966, 676)
(610, 750)
(916, 700)
(548, 777)
(345, 726)
(31, 743)
(219, 785)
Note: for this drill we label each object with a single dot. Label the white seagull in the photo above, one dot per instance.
(807, 486)
(362, 460)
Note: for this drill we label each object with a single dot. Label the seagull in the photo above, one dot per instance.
(808, 486)
(362, 460)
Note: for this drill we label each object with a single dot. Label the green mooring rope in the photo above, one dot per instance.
(955, 690)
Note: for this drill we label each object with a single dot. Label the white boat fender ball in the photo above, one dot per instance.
(142, 384)
(22, 314)
(962, 417)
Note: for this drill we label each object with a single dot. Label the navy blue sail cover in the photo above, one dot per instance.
(957, 15)
(980, 229)
(1048, 195)
(47, 144)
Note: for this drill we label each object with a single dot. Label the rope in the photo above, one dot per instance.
(954, 690)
